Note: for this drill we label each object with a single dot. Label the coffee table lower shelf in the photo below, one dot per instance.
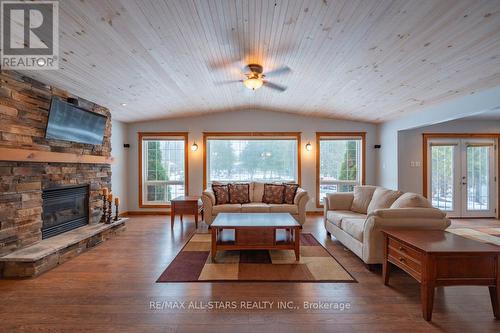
(255, 238)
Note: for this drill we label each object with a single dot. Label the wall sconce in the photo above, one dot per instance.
(309, 146)
(194, 146)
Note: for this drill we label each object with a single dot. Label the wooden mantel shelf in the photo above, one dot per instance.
(27, 155)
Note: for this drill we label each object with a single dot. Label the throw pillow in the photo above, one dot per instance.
(383, 198)
(290, 191)
(221, 194)
(411, 200)
(362, 197)
(273, 194)
(239, 193)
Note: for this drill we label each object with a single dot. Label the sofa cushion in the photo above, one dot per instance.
(336, 216)
(239, 193)
(362, 197)
(226, 208)
(290, 191)
(221, 193)
(273, 193)
(411, 200)
(258, 192)
(255, 207)
(354, 227)
(383, 198)
(283, 208)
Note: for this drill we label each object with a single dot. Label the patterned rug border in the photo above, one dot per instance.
(258, 281)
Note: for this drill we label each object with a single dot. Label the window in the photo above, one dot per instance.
(245, 157)
(340, 163)
(163, 171)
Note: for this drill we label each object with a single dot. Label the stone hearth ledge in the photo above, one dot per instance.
(48, 253)
(53, 244)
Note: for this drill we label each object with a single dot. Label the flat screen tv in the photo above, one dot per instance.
(70, 123)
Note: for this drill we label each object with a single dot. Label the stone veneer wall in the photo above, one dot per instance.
(24, 109)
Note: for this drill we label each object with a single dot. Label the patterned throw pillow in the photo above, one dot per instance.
(239, 193)
(290, 191)
(221, 194)
(273, 194)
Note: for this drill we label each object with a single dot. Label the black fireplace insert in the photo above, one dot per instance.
(64, 208)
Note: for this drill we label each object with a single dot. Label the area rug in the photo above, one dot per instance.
(194, 264)
(485, 235)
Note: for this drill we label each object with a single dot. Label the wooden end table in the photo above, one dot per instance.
(182, 205)
(439, 258)
(255, 231)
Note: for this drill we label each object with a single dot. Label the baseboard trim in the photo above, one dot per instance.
(138, 212)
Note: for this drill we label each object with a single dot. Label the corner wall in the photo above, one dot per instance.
(119, 168)
(250, 121)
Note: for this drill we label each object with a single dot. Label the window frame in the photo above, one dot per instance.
(248, 136)
(166, 136)
(339, 135)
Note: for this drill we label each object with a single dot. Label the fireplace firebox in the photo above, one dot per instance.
(64, 208)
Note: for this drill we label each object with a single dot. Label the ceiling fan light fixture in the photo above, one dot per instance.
(253, 83)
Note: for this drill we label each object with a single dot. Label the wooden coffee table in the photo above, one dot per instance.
(439, 258)
(255, 231)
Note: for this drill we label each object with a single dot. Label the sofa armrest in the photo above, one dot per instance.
(339, 200)
(208, 199)
(301, 199)
(401, 218)
(209, 195)
(432, 213)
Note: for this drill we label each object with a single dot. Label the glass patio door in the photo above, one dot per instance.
(461, 176)
(478, 178)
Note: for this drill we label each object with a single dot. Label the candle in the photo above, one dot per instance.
(117, 201)
(110, 197)
(105, 192)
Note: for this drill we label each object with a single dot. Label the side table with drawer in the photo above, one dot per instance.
(438, 258)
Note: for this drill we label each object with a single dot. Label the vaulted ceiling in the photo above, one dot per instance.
(361, 60)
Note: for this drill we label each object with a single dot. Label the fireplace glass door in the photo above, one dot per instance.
(64, 209)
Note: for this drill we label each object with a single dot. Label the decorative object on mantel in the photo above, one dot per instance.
(110, 208)
(117, 203)
(104, 192)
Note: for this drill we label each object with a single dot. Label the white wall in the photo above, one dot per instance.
(387, 133)
(119, 168)
(410, 178)
(250, 120)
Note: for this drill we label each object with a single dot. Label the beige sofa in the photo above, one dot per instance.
(297, 210)
(356, 218)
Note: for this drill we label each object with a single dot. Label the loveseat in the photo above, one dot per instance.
(256, 189)
(356, 218)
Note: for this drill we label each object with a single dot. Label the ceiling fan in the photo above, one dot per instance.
(255, 77)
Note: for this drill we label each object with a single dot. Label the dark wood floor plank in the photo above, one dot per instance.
(109, 289)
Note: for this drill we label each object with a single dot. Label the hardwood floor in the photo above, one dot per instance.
(109, 289)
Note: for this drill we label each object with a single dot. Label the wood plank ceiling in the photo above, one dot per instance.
(361, 60)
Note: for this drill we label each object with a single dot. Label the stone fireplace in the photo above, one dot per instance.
(47, 187)
(64, 209)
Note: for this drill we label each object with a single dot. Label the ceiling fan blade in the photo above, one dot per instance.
(220, 83)
(278, 71)
(274, 86)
